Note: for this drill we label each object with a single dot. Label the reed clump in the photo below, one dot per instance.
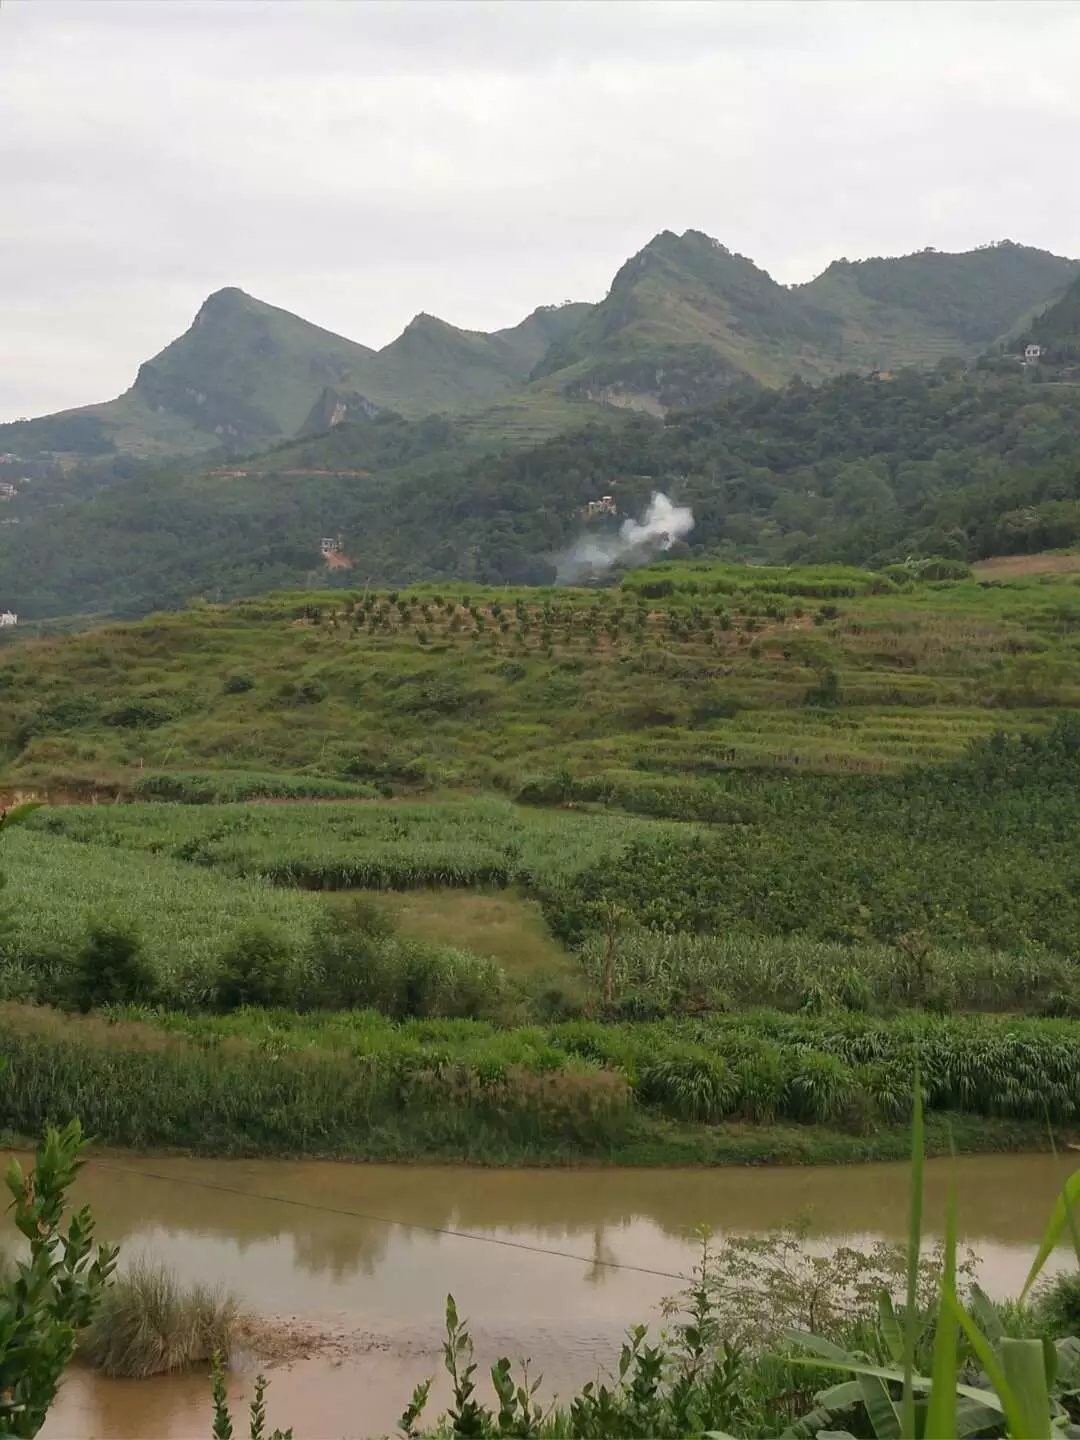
(150, 1324)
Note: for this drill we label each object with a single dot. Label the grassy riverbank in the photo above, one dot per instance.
(356, 1086)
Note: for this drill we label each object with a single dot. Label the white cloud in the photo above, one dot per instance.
(360, 162)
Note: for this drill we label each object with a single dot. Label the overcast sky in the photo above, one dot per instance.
(359, 162)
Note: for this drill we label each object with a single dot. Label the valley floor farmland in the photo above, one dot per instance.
(691, 870)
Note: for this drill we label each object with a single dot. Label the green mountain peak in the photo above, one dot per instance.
(685, 321)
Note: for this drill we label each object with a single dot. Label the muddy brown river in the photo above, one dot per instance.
(365, 1254)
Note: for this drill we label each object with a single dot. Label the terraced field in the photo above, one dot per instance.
(686, 671)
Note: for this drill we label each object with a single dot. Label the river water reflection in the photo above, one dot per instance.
(367, 1252)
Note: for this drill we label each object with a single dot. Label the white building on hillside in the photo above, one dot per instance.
(8, 617)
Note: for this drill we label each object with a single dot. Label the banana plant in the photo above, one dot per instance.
(1023, 1383)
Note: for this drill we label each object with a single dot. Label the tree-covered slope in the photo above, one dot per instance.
(913, 309)
(963, 464)
(1057, 329)
(244, 374)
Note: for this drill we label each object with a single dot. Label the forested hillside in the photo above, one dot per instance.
(1057, 330)
(908, 310)
(959, 464)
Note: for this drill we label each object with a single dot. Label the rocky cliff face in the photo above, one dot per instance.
(335, 406)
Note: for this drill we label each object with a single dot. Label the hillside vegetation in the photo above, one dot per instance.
(706, 318)
(917, 308)
(688, 670)
(954, 463)
(1057, 330)
(458, 454)
(685, 320)
(848, 795)
(247, 374)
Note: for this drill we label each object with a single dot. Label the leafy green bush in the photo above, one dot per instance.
(303, 692)
(56, 1293)
(140, 713)
(933, 567)
(70, 712)
(355, 962)
(258, 967)
(238, 683)
(111, 968)
(349, 964)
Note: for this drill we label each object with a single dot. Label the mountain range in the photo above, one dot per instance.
(885, 409)
(685, 321)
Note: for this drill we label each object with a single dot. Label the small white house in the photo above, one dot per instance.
(1032, 354)
(8, 617)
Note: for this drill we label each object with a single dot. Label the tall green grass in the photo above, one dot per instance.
(216, 787)
(183, 913)
(464, 842)
(357, 1084)
(657, 973)
(150, 1324)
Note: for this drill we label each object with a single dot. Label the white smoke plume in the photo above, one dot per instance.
(636, 542)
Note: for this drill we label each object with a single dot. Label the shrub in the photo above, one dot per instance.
(216, 787)
(1057, 1305)
(148, 1324)
(110, 968)
(553, 998)
(934, 567)
(139, 714)
(64, 714)
(434, 981)
(691, 1086)
(715, 707)
(303, 692)
(42, 974)
(387, 768)
(356, 963)
(257, 968)
(347, 957)
(827, 690)
(238, 683)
